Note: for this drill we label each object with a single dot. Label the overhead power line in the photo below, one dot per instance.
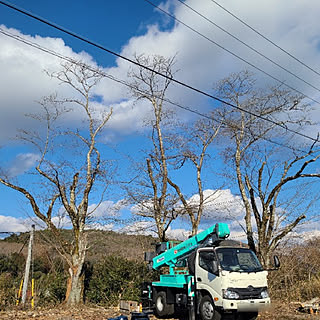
(248, 46)
(104, 74)
(122, 82)
(206, 94)
(230, 52)
(266, 38)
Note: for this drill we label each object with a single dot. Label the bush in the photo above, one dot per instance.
(13, 264)
(113, 279)
(299, 274)
(51, 288)
(8, 288)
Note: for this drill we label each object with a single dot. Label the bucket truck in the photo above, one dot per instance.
(207, 276)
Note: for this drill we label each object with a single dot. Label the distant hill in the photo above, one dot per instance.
(101, 244)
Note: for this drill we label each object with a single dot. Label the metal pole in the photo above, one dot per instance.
(27, 270)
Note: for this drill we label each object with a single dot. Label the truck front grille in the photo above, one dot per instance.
(249, 292)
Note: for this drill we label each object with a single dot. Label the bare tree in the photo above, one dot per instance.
(251, 155)
(160, 197)
(68, 171)
(152, 196)
(197, 140)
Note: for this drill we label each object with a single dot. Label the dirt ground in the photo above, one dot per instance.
(278, 312)
(281, 311)
(61, 313)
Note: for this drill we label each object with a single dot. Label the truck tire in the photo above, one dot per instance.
(162, 308)
(208, 310)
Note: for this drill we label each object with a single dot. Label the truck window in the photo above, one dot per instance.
(205, 260)
(238, 259)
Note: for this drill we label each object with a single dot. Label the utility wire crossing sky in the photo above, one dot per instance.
(79, 37)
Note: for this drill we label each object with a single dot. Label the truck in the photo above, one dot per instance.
(207, 276)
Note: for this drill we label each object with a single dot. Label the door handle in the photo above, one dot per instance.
(199, 279)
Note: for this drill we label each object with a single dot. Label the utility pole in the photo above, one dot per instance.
(27, 270)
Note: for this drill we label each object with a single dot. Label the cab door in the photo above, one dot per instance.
(207, 273)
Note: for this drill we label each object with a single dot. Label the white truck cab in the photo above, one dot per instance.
(229, 279)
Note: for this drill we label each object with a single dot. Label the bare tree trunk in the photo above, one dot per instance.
(75, 284)
(245, 200)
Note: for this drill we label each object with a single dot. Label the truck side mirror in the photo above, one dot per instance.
(276, 262)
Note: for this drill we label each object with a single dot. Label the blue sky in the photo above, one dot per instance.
(110, 23)
(130, 27)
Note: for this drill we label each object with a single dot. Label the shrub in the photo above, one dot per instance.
(51, 288)
(114, 278)
(299, 274)
(8, 287)
(13, 263)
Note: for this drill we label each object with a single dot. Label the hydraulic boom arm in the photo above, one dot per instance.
(219, 231)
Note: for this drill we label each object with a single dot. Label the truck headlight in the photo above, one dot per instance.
(229, 294)
(264, 294)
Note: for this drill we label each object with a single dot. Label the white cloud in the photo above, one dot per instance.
(12, 224)
(62, 221)
(178, 233)
(127, 117)
(219, 204)
(98, 215)
(106, 209)
(139, 227)
(149, 228)
(292, 24)
(26, 82)
(201, 63)
(99, 226)
(145, 207)
(201, 60)
(22, 163)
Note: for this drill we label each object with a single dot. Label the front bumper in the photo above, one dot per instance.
(250, 305)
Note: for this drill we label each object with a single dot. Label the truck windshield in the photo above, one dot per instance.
(238, 259)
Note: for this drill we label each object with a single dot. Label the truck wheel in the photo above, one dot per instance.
(162, 308)
(207, 309)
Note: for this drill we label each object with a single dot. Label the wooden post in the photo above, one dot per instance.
(27, 269)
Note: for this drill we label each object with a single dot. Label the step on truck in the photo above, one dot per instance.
(207, 277)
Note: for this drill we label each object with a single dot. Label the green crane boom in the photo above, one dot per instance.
(170, 257)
